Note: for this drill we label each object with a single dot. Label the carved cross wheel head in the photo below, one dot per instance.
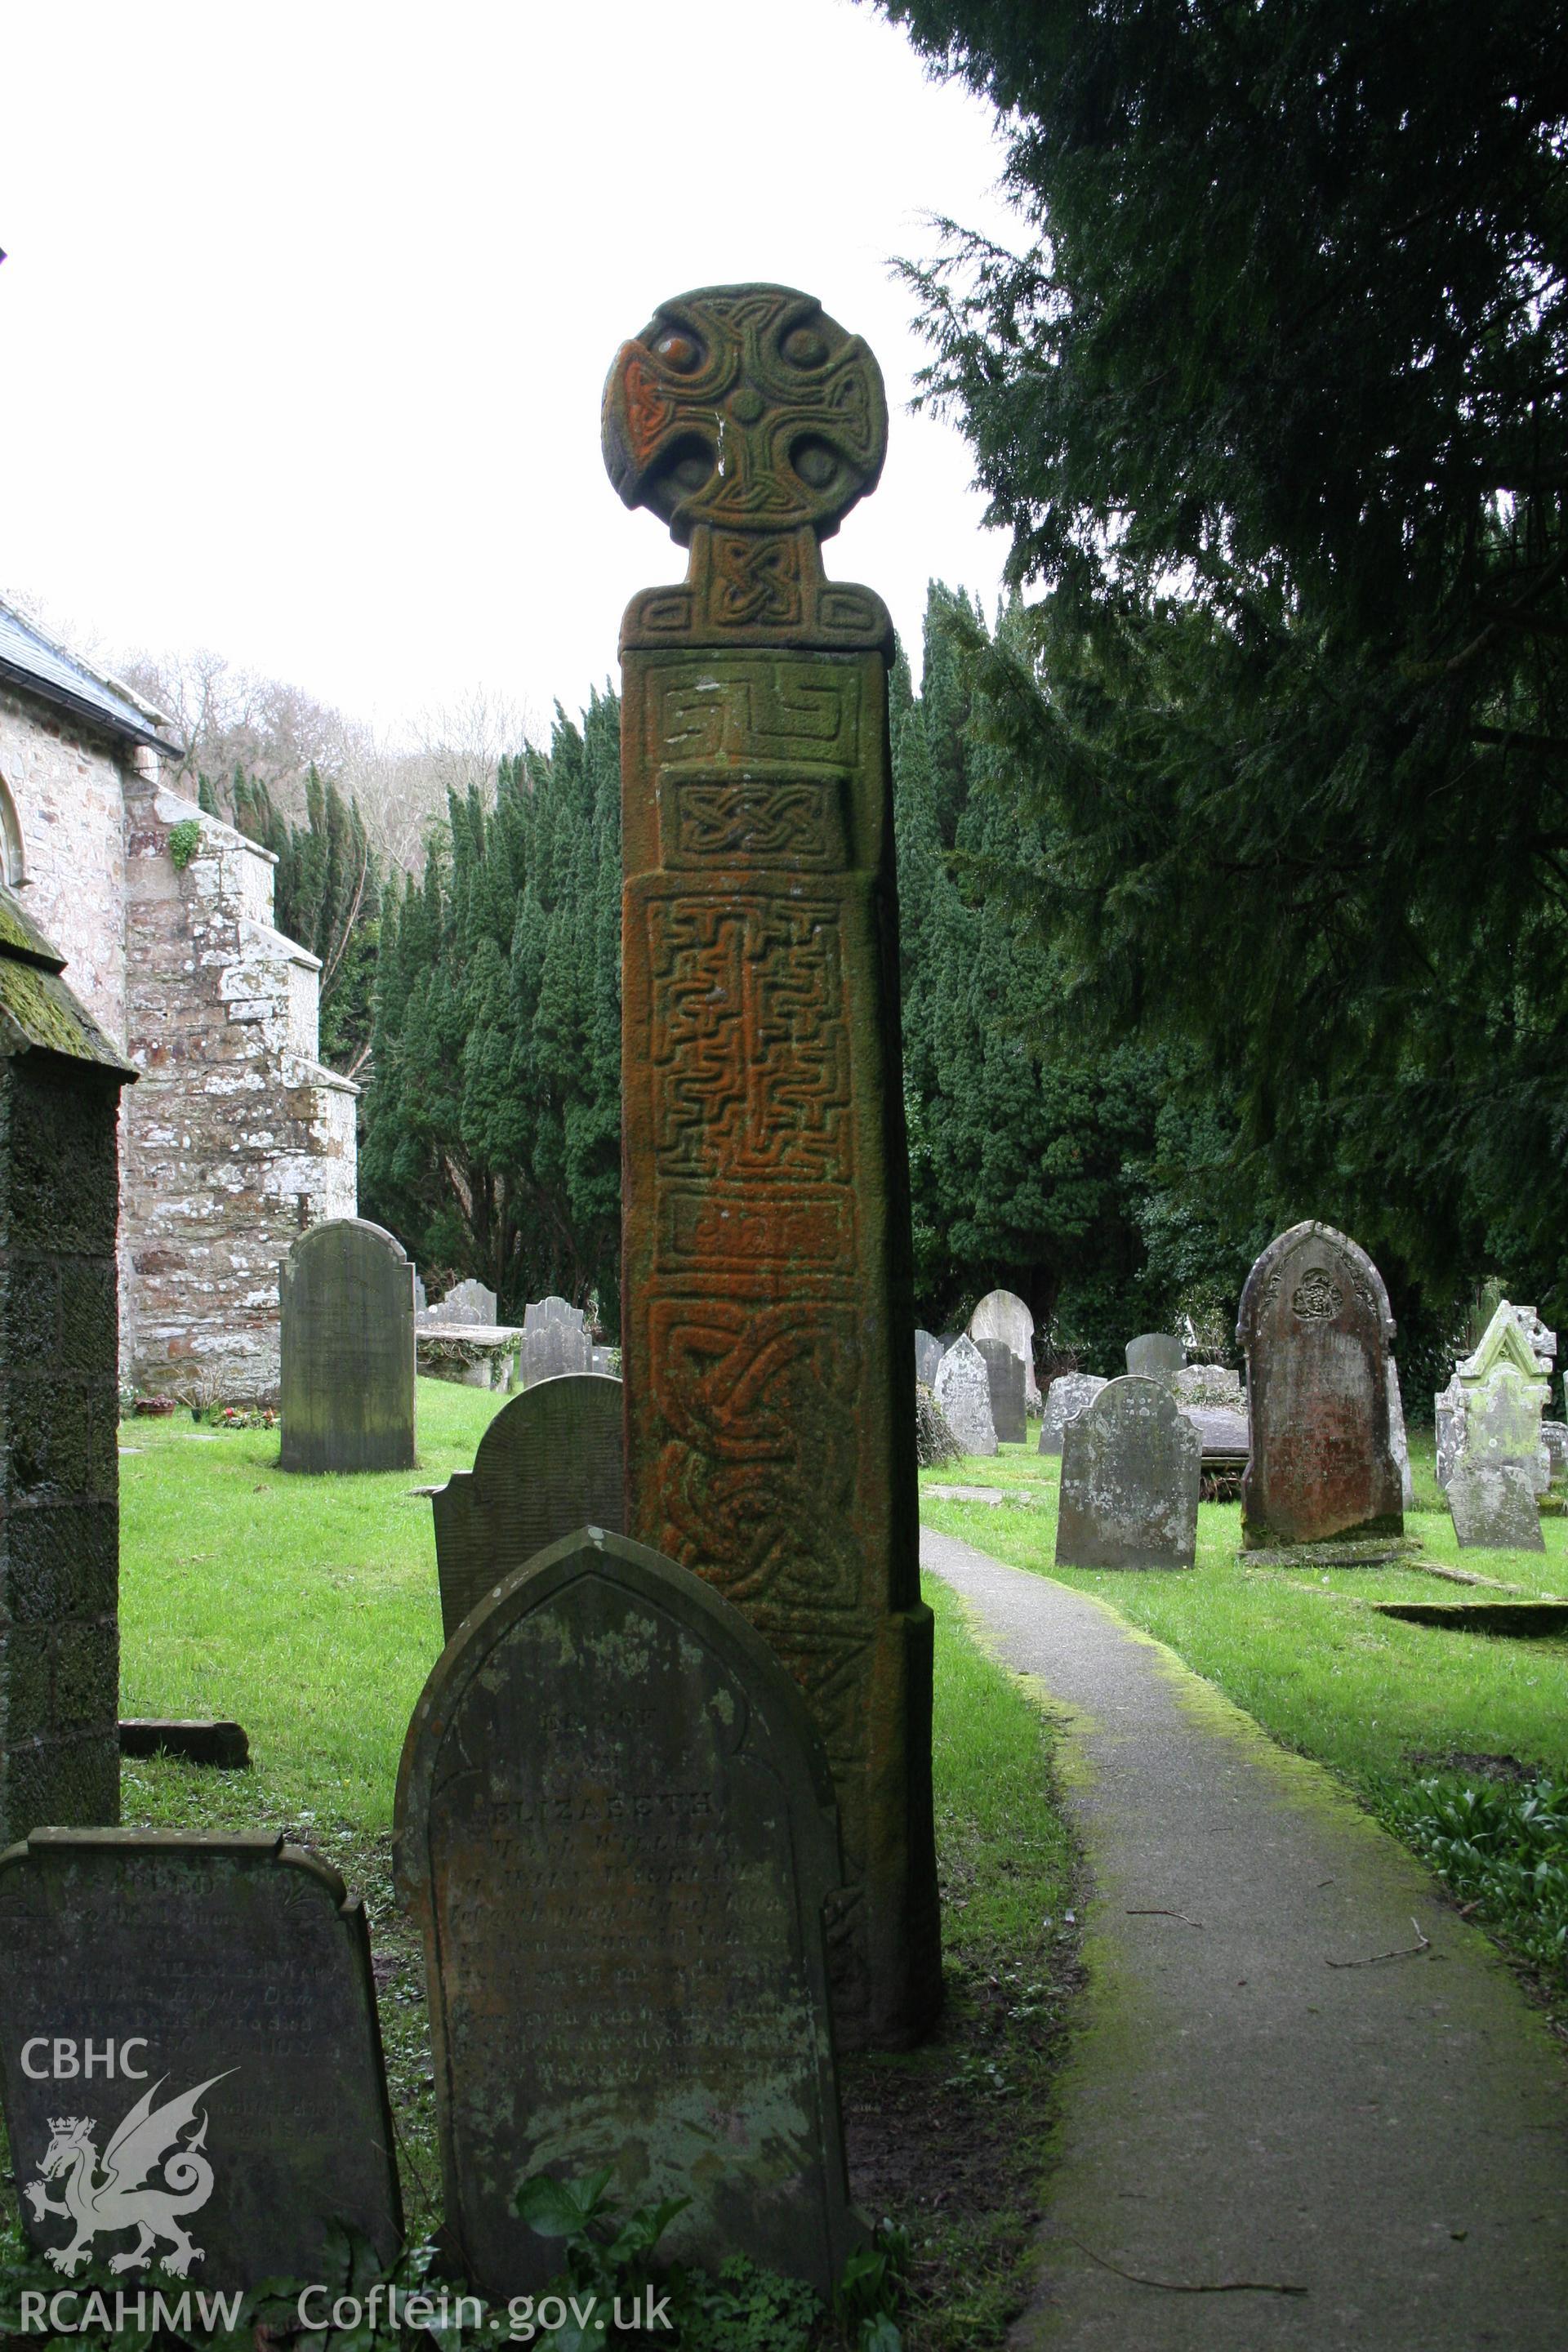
(744, 409)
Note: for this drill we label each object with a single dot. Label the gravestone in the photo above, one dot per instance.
(1493, 1507)
(1316, 1328)
(59, 1395)
(1068, 1394)
(1555, 1437)
(929, 1354)
(466, 1302)
(1223, 1433)
(549, 1462)
(615, 1824)
(1003, 1315)
(1492, 1409)
(555, 1342)
(1155, 1356)
(1208, 1384)
(767, 1258)
(1004, 1370)
(962, 1393)
(421, 1303)
(1399, 1444)
(348, 1348)
(242, 2112)
(1130, 1470)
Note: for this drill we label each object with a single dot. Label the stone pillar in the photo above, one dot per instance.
(59, 1506)
(767, 1317)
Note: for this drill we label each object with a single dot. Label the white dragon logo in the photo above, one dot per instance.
(120, 2199)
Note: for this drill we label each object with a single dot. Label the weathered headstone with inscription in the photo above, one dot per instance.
(549, 1462)
(615, 1822)
(1131, 1471)
(555, 1342)
(60, 1080)
(235, 2106)
(466, 1302)
(347, 1349)
(1493, 1507)
(1003, 1315)
(1316, 1325)
(1490, 1411)
(1004, 1370)
(928, 1353)
(766, 1260)
(1155, 1356)
(1555, 1437)
(1068, 1394)
(962, 1393)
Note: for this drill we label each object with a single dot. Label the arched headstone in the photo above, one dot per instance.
(1316, 1328)
(347, 1349)
(615, 1822)
(962, 1390)
(552, 1460)
(1155, 1356)
(1131, 1465)
(1003, 1315)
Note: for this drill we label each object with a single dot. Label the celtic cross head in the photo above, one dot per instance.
(744, 409)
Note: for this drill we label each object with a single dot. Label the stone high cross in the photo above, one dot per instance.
(768, 1324)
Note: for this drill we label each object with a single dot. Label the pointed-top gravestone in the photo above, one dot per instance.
(615, 1823)
(1068, 1394)
(1490, 1412)
(550, 1461)
(1131, 1472)
(222, 1986)
(962, 1391)
(1155, 1356)
(348, 1351)
(1003, 1315)
(767, 1254)
(1316, 1328)
(1004, 1370)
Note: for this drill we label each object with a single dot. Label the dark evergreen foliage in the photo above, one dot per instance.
(1274, 406)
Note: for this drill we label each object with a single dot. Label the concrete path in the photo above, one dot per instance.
(1390, 2139)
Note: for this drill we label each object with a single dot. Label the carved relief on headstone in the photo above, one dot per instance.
(766, 1258)
(928, 1353)
(615, 1823)
(348, 1344)
(1067, 1395)
(1003, 1315)
(238, 2111)
(1316, 1326)
(1155, 1356)
(962, 1393)
(1131, 1471)
(549, 1462)
(1004, 1370)
(1493, 1507)
(60, 1081)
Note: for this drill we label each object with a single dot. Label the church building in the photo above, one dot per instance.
(235, 1137)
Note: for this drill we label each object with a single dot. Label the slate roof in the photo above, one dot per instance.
(34, 662)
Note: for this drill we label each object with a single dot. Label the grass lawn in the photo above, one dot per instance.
(1445, 1733)
(307, 1610)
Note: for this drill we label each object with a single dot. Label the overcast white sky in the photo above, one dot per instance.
(308, 308)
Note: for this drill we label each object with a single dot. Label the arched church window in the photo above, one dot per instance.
(13, 863)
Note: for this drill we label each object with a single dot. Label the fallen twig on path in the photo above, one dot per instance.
(1406, 1951)
(1164, 1914)
(1188, 2286)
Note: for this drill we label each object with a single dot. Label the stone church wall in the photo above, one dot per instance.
(237, 1136)
(67, 796)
